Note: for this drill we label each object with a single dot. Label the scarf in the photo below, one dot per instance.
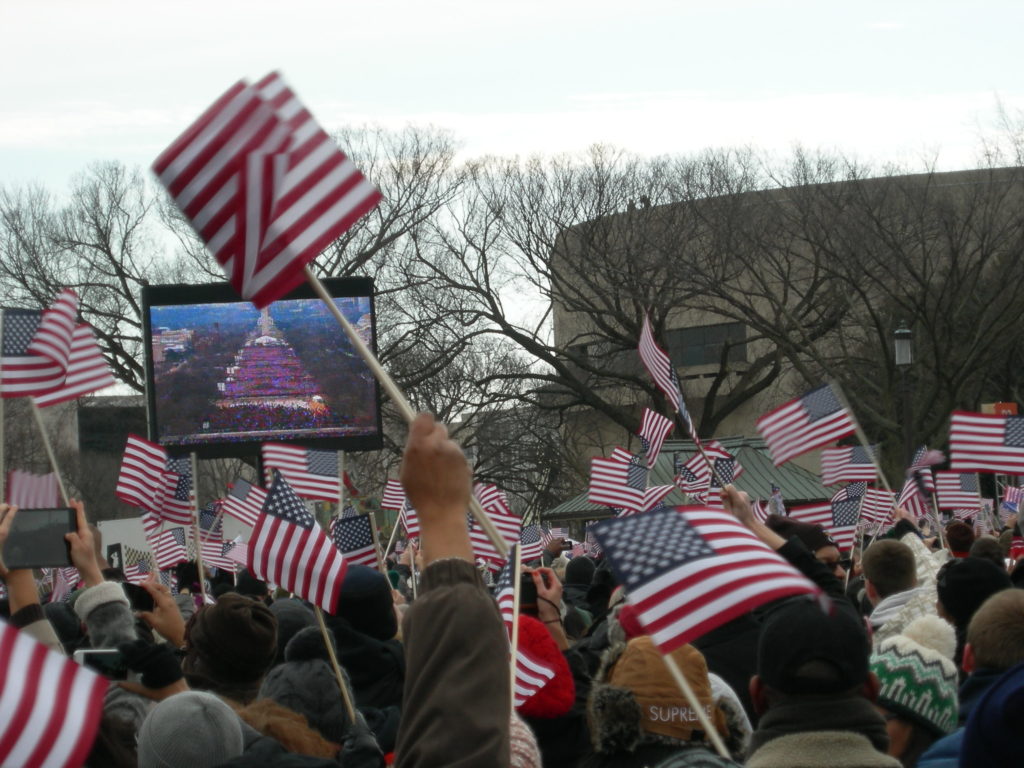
(821, 713)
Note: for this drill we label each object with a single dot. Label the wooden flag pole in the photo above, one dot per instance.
(391, 539)
(341, 483)
(516, 583)
(861, 437)
(376, 543)
(691, 698)
(195, 524)
(345, 695)
(399, 399)
(49, 450)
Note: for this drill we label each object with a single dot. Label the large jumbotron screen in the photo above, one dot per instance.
(223, 376)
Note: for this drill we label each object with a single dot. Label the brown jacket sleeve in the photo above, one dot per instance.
(457, 701)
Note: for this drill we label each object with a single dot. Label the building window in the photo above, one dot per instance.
(703, 345)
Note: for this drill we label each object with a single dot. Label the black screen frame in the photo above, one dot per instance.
(223, 293)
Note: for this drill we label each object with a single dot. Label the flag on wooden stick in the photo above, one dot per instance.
(353, 537)
(691, 570)
(659, 366)
(244, 501)
(26, 490)
(264, 186)
(957, 489)
(289, 548)
(654, 428)
(811, 421)
(849, 463)
(311, 474)
(35, 347)
(87, 370)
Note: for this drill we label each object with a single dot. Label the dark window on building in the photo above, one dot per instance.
(703, 345)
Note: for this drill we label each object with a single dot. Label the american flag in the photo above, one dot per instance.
(349, 511)
(691, 570)
(26, 490)
(550, 534)
(878, 506)
(64, 582)
(211, 537)
(494, 502)
(311, 474)
(407, 519)
(288, 548)
(177, 506)
(137, 567)
(838, 516)
(237, 551)
(87, 370)
(35, 347)
(51, 706)
(816, 419)
(910, 499)
(531, 673)
(530, 541)
(776, 504)
(594, 549)
(353, 537)
(982, 443)
(141, 481)
(760, 510)
(955, 489)
(264, 186)
(850, 463)
(168, 548)
(244, 501)
(695, 476)
(617, 483)
(659, 366)
(921, 467)
(394, 495)
(654, 428)
(1012, 494)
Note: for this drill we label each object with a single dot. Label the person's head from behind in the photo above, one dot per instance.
(995, 636)
(229, 646)
(988, 548)
(193, 729)
(959, 537)
(805, 651)
(963, 584)
(816, 539)
(889, 569)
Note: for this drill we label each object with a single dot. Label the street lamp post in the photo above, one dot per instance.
(903, 356)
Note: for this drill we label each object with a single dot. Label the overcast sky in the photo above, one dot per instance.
(84, 80)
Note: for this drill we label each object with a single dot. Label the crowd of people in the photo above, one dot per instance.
(914, 656)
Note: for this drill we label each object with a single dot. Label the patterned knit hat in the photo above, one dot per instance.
(917, 675)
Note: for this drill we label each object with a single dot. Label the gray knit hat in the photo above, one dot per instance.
(917, 676)
(190, 730)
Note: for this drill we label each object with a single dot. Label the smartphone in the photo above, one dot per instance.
(108, 662)
(36, 539)
(139, 598)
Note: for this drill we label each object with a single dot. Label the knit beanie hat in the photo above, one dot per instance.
(292, 615)
(365, 601)
(964, 584)
(523, 744)
(640, 700)
(306, 684)
(190, 730)
(580, 570)
(558, 694)
(992, 736)
(232, 642)
(813, 536)
(798, 632)
(917, 675)
(250, 586)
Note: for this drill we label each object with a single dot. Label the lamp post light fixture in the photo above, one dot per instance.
(903, 356)
(903, 346)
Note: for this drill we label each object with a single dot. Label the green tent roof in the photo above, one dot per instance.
(797, 484)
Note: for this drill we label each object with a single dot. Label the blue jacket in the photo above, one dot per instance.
(945, 753)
